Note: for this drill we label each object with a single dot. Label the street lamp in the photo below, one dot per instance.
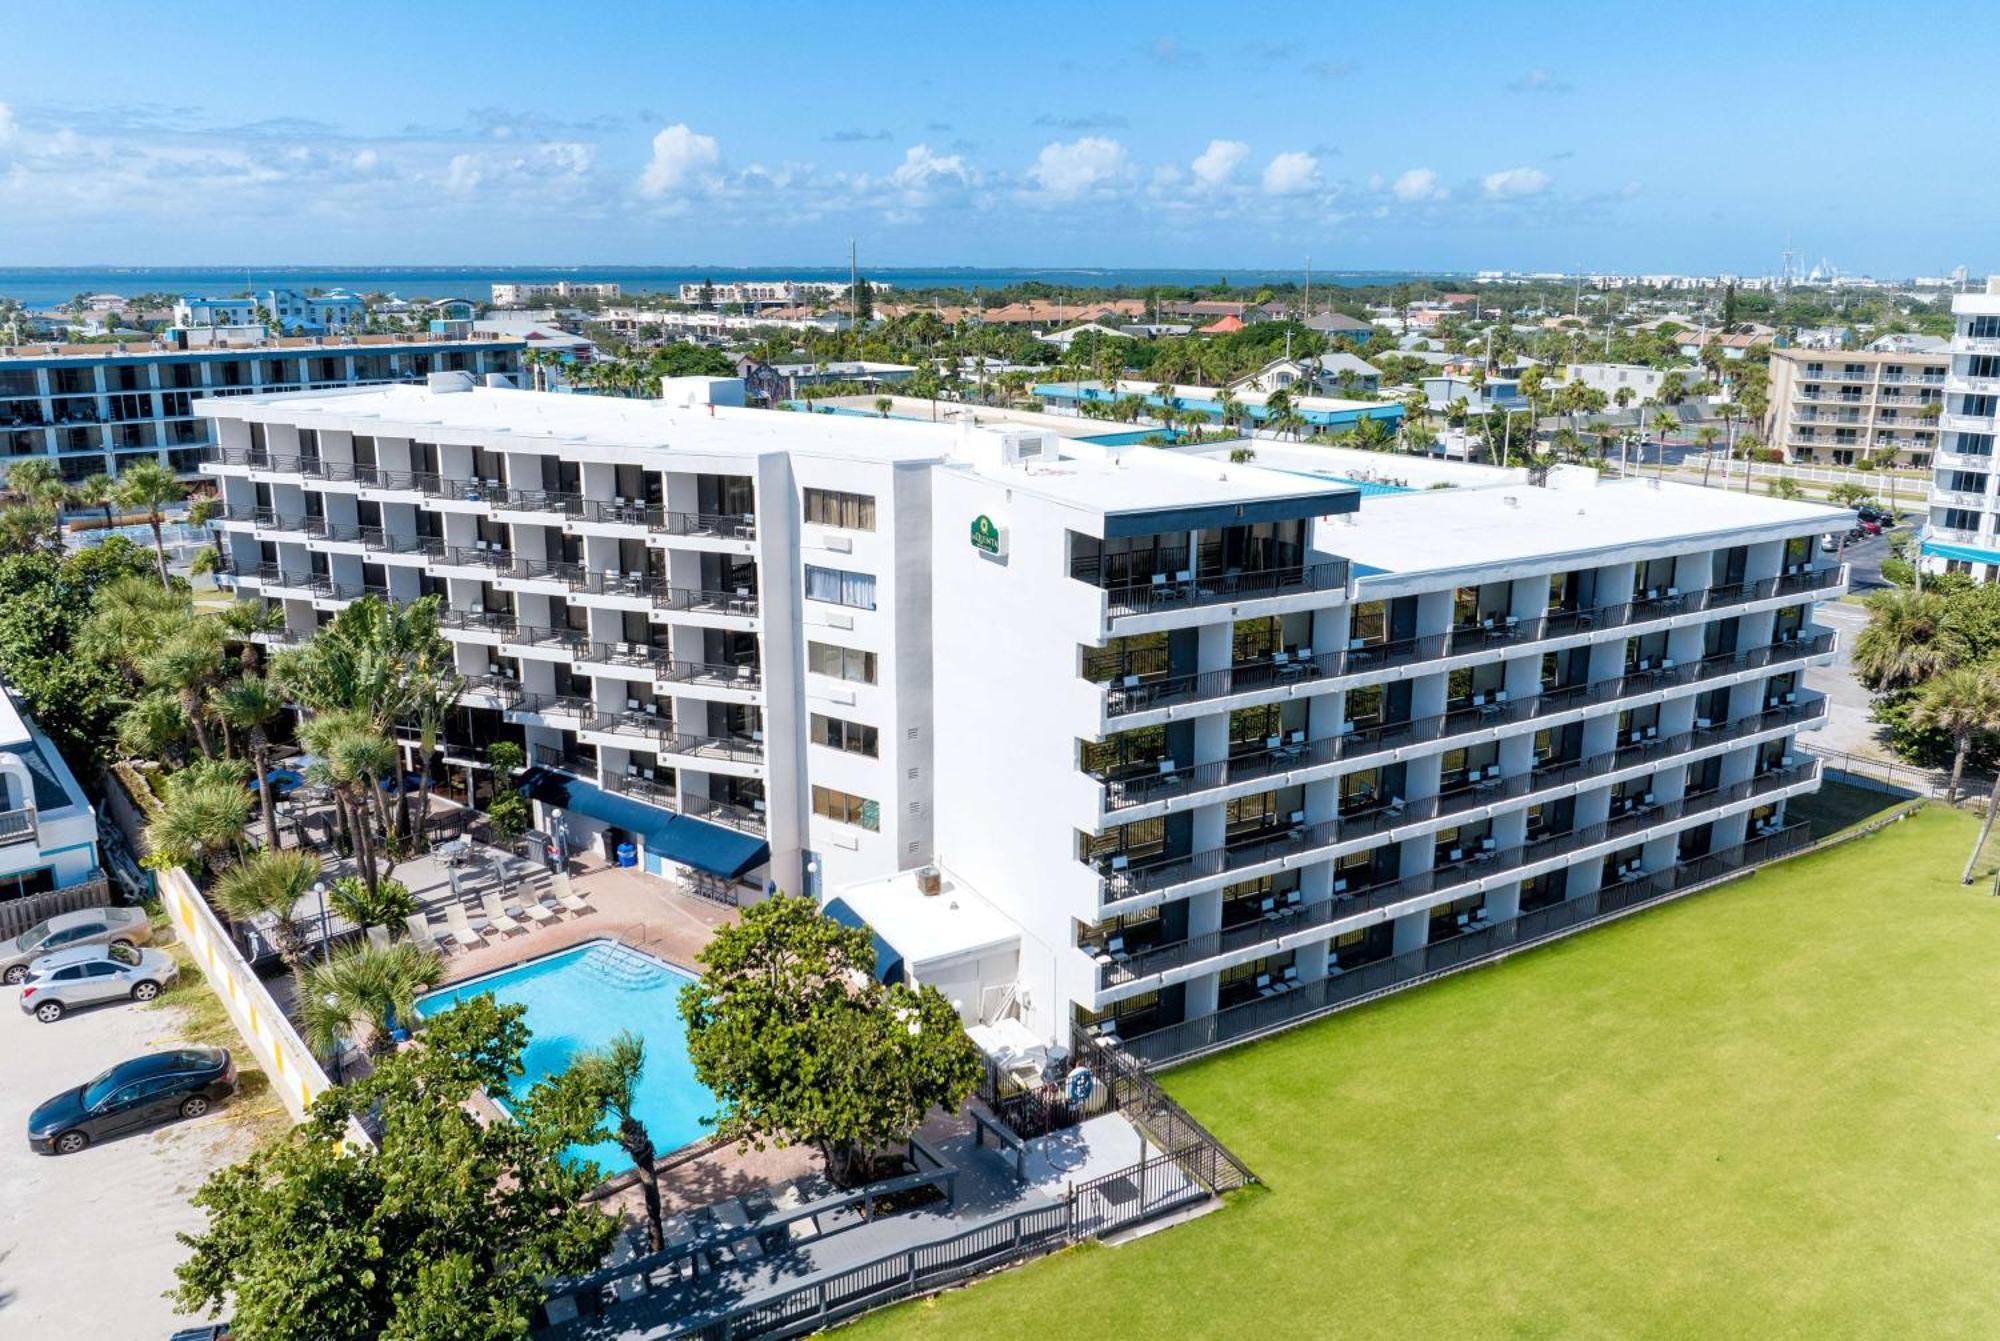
(325, 942)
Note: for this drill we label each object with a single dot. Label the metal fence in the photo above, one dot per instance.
(17, 915)
(1893, 776)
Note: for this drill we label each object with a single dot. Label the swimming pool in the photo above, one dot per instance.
(580, 998)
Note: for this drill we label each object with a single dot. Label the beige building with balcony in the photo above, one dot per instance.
(1842, 408)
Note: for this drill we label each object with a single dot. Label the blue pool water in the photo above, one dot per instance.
(581, 998)
(1368, 488)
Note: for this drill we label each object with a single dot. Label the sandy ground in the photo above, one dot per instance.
(87, 1242)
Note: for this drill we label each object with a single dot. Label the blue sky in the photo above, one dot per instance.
(1547, 136)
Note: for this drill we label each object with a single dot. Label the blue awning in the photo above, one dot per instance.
(888, 963)
(714, 848)
(1965, 553)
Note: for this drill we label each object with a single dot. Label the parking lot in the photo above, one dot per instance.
(87, 1241)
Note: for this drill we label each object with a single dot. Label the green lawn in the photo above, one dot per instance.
(1766, 1111)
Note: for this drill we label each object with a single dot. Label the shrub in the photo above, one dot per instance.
(508, 814)
(387, 907)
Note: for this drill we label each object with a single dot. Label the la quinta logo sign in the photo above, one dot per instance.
(986, 537)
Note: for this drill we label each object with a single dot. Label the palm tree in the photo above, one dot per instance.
(609, 1077)
(432, 700)
(269, 883)
(246, 618)
(1705, 438)
(197, 822)
(1909, 639)
(97, 491)
(26, 528)
(1964, 703)
(129, 618)
(153, 727)
(249, 706)
(364, 992)
(189, 664)
(36, 480)
(359, 760)
(149, 486)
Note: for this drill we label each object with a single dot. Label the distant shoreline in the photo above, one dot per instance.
(38, 286)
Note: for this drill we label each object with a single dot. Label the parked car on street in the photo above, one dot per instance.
(89, 974)
(135, 1094)
(87, 926)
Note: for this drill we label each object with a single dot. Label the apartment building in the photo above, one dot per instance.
(1847, 408)
(98, 408)
(1134, 740)
(525, 295)
(48, 830)
(770, 292)
(288, 310)
(1960, 532)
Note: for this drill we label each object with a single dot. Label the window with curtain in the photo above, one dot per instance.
(843, 663)
(831, 507)
(837, 586)
(847, 809)
(848, 737)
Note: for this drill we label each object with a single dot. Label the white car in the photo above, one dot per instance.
(92, 973)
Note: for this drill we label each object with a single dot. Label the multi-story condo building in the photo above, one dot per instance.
(1848, 408)
(98, 408)
(1140, 741)
(771, 292)
(48, 831)
(1960, 533)
(289, 311)
(522, 295)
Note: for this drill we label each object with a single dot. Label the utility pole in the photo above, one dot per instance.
(1309, 286)
(853, 288)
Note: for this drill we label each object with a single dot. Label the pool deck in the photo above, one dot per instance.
(987, 1191)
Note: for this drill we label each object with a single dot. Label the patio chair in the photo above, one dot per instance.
(502, 922)
(565, 894)
(379, 937)
(421, 931)
(533, 910)
(459, 928)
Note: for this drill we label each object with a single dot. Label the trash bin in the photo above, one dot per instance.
(628, 854)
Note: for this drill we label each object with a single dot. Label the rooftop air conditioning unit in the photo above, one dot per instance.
(1021, 449)
(930, 881)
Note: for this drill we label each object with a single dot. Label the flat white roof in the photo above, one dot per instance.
(1445, 529)
(1111, 479)
(927, 928)
(600, 421)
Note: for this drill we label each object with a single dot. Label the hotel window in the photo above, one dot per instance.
(849, 737)
(850, 512)
(846, 809)
(1370, 623)
(837, 586)
(842, 663)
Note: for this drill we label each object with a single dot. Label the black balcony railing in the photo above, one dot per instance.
(742, 602)
(728, 675)
(1140, 686)
(1168, 591)
(734, 749)
(639, 655)
(746, 818)
(535, 635)
(1346, 985)
(656, 726)
(555, 705)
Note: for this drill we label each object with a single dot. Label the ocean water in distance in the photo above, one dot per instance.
(37, 286)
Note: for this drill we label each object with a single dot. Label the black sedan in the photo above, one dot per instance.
(133, 1095)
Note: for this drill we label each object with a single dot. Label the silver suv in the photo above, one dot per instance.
(70, 978)
(66, 931)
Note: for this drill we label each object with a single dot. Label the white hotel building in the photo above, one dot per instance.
(1118, 738)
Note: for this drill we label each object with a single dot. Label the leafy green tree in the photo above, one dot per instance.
(202, 821)
(251, 706)
(386, 906)
(444, 1231)
(791, 1031)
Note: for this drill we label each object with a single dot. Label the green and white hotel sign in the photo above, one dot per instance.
(986, 537)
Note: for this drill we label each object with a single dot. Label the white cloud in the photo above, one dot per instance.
(1216, 164)
(6, 124)
(569, 156)
(1080, 167)
(920, 167)
(1291, 173)
(464, 174)
(1515, 182)
(1419, 185)
(366, 161)
(678, 154)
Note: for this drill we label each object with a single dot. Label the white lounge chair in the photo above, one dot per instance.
(534, 912)
(566, 896)
(459, 928)
(379, 937)
(421, 931)
(502, 922)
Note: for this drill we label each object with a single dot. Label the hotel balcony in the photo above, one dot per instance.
(1978, 386)
(1966, 423)
(1293, 760)
(1973, 344)
(1128, 883)
(1958, 498)
(1150, 691)
(1281, 1005)
(19, 826)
